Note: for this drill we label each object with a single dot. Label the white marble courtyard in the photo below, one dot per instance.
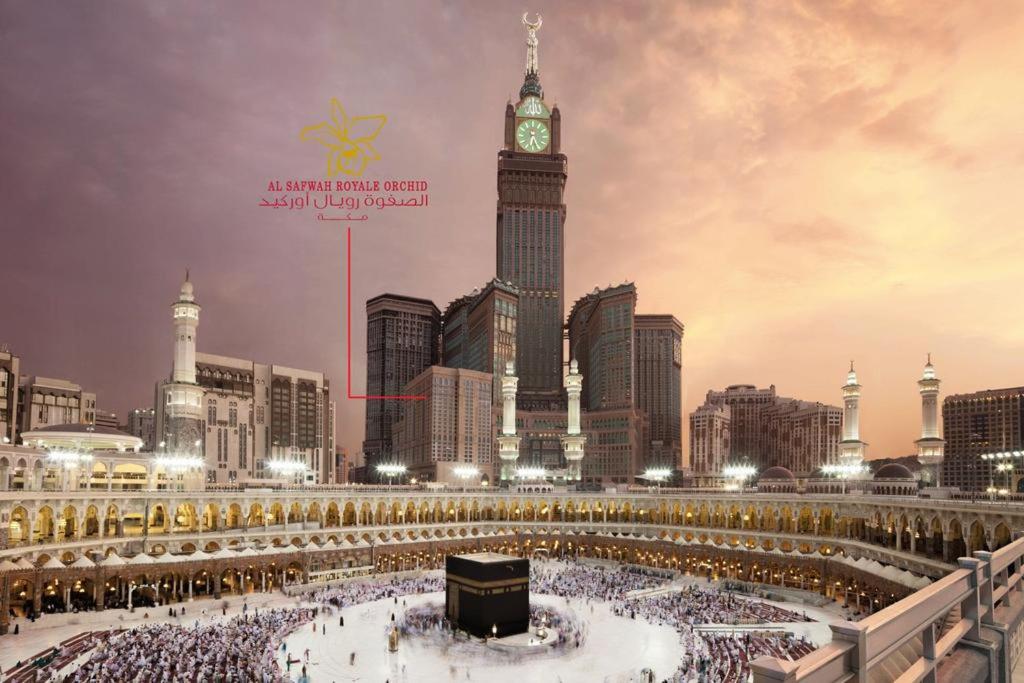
(615, 648)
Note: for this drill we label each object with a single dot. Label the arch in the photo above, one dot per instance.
(185, 518)
(111, 521)
(332, 517)
(44, 525)
(68, 523)
(234, 518)
(211, 517)
(1001, 535)
(91, 523)
(313, 514)
(977, 539)
(256, 517)
(19, 529)
(275, 516)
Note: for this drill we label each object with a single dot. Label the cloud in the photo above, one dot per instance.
(798, 182)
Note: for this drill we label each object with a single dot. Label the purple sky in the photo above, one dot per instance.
(799, 183)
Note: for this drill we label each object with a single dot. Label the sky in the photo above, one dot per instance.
(800, 183)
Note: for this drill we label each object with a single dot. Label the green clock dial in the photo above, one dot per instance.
(533, 135)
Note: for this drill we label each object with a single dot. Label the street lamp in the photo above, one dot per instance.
(465, 473)
(531, 473)
(657, 474)
(739, 473)
(843, 472)
(296, 469)
(391, 470)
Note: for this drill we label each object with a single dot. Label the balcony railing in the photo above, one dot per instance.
(908, 641)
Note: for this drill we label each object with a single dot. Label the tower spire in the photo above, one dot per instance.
(531, 84)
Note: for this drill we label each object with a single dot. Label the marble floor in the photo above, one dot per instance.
(615, 649)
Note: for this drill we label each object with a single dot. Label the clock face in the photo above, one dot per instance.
(533, 136)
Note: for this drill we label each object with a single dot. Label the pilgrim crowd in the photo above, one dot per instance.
(243, 648)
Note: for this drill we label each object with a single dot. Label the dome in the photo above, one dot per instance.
(81, 437)
(894, 471)
(776, 474)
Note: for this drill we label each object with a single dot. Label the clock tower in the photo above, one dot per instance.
(531, 232)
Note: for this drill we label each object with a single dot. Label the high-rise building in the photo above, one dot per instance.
(989, 422)
(142, 424)
(106, 418)
(800, 435)
(452, 427)
(615, 441)
(605, 338)
(10, 366)
(402, 337)
(478, 331)
(240, 415)
(657, 377)
(258, 413)
(45, 402)
(601, 340)
(341, 465)
(532, 173)
(745, 403)
(709, 440)
(764, 430)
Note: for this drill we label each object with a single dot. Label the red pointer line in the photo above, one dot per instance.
(348, 330)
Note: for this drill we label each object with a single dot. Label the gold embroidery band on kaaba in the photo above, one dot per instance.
(462, 581)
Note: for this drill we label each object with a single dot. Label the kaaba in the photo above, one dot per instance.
(488, 594)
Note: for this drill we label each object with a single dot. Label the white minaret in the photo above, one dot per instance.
(179, 413)
(186, 320)
(508, 442)
(573, 441)
(851, 448)
(931, 446)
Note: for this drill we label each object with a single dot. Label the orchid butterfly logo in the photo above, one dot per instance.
(349, 141)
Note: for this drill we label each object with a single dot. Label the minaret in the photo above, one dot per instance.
(931, 446)
(508, 442)
(851, 448)
(180, 411)
(186, 320)
(573, 441)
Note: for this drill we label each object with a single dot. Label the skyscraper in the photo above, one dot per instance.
(745, 401)
(762, 429)
(402, 336)
(709, 440)
(532, 173)
(478, 330)
(657, 378)
(601, 340)
(982, 423)
(450, 428)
